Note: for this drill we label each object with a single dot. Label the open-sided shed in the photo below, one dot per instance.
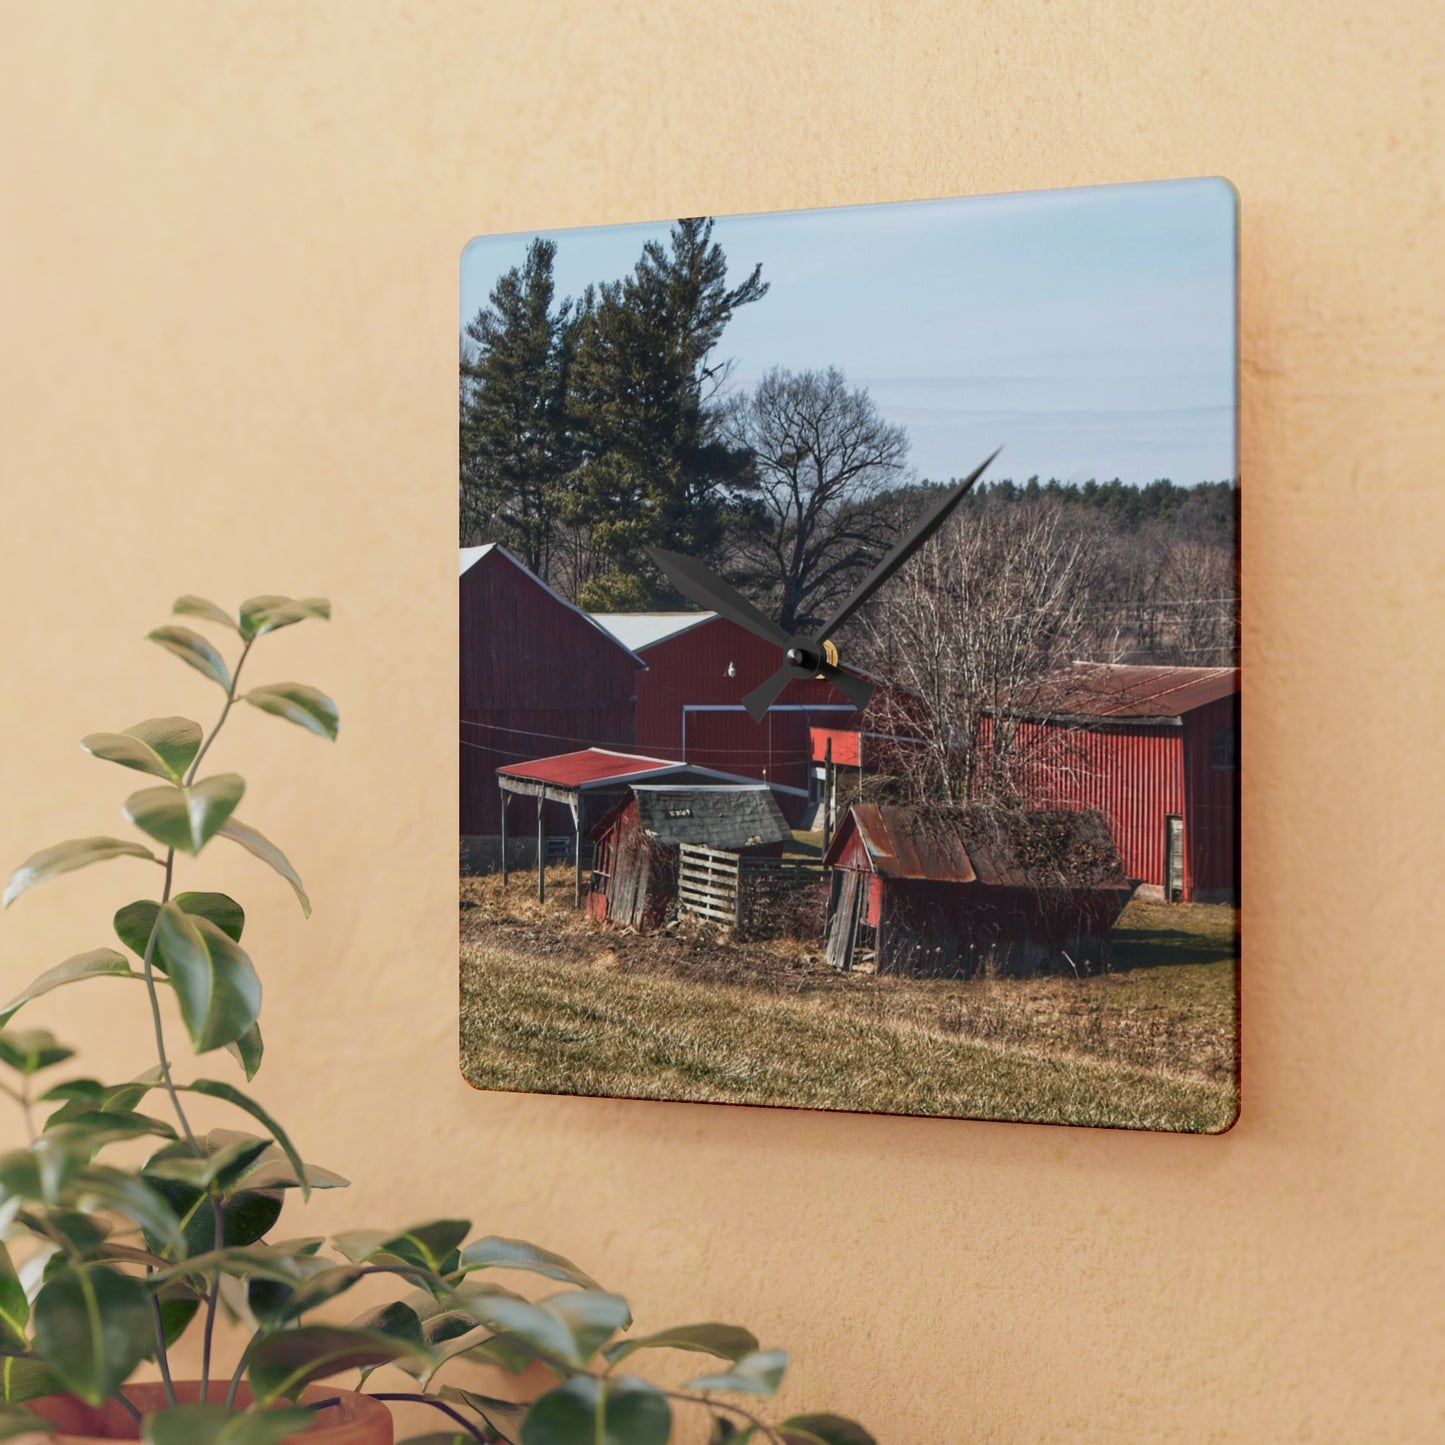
(588, 784)
(950, 891)
(635, 861)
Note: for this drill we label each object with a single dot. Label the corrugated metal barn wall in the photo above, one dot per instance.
(1211, 822)
(537, 678)
(1133, 775)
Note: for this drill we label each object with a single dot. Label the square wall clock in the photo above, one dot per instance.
(848, 660)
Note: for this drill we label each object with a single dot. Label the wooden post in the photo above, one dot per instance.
(541, 848)
(860, 764)
(577, 834)
(506, 798)
(827, 793)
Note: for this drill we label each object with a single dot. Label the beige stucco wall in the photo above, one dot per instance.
(228, 245)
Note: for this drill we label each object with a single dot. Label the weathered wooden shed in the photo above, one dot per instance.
(959, 891)
(1156, 750)
(690, 701)
(637, 845)
(537, 677)
(587, 785)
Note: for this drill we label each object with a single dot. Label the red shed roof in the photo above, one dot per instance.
(967, 844)
(1126, 692)
(600, 768)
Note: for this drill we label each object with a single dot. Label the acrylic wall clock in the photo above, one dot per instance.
(848, 659)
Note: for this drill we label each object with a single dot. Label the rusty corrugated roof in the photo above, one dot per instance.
(1125, 691)
(976, 845)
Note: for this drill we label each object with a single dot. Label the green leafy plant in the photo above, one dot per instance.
(106, 1266)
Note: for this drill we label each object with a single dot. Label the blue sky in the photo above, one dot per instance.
(1091, 332)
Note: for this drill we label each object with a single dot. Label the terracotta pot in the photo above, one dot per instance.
(353, 1420)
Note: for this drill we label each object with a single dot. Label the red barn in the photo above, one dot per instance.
(689, 701)
(538, 677)
(1156, 750)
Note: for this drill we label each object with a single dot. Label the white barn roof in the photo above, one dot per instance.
(636, 630)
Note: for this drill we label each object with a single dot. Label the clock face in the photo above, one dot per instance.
(848, 659)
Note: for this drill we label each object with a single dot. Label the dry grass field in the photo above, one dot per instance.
(554, 1002)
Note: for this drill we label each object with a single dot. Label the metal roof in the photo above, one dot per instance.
(723, 817)
(1125, 691)
(637, 630)
(966, 844)
(468, 557)
(600, 768)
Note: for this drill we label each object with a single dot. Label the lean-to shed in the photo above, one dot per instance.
(958, 891)
(635, 862)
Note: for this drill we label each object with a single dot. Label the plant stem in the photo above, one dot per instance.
(753, 1420)
(162, 1356)
(132, 1410)
(150, 980)
(230, 698)
(473, 1430)
(240, 1370)
(212, 1296)
(22, 1097)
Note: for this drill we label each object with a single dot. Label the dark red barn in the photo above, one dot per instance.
(538, 677)
(689, 701)
(1156, 750)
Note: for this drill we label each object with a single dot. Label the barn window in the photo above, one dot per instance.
(1224, 748)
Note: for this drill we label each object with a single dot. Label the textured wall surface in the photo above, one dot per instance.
(228, 248)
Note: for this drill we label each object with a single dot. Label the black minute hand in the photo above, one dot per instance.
(926, 526)
(702, 585)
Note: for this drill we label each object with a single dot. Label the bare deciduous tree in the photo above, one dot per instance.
(1002, 598)
(822, 456)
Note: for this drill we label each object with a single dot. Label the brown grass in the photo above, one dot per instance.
(553, 1001)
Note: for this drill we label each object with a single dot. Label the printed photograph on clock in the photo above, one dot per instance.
(849, 676)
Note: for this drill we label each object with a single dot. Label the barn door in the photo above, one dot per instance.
(1173, 858)
(849, 892)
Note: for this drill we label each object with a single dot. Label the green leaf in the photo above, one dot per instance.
(221, 1425)
(192, 648)
(570, 1327)
(215, 1089)
(266, 613)
(199, 607)
(245, 1216)
(283, 1364)
(727, 1342)
(102, 1187)
(30, 1050)
(219, 993)
(15, 1422)
(98, 963)
(134, 922)
(221, 1168)
(305, 706)
(63, 857)
(83, 1095)
(186, 818)
(438, 1437)
(427, 1246)
(502, 1417)
(93, 1327)
(590, 1411)
(247, 1051)
(592, 1316)
(823, 1430)
(162, 746)
(22, 1380)
(267, 852)
(494, 1252)
(42, 1171)
(759, 1373)
(14, 1307)
(91, 1130)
